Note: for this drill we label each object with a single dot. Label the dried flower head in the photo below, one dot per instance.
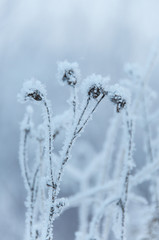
(95, 86)
(32, 90)
(118, 101)
(68, 73)
(95, 91)
(117, 95)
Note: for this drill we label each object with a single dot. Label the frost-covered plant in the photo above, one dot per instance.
(105, 184)
(42, 179)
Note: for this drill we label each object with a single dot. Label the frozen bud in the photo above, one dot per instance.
(68, 73)
(32, 90)
(118, 96)
(95, 86)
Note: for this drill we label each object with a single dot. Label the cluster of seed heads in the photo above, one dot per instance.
(96, 90)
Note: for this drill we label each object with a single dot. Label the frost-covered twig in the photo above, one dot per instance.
(126, 175)
(29, 179)
(33, 90)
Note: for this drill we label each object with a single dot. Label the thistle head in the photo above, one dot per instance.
(95, 86)
(32, 90)
(119, 101)
(95, 91)
(118, 96)
(68, 73)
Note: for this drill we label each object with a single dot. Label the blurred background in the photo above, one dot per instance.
(101, 35)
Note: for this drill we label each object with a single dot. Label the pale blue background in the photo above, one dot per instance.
(101, 35)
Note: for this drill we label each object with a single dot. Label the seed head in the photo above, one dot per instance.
(95, 86)
(120, 103)
(95, 91)
(118, 96)
(32, 90)
(69, 77)
(35, 94)
(68, 73)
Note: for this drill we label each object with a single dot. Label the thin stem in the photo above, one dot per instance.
(82, 114)
(123, 201)
(31, 183)
(77, 132)
(26, 132)
(53, 195)
(34, 192)
(147, 131)
(99, 214)
(74, 102)
(149, 150)
(66, 156)
(50, 140)
(35, 177)
(42, 192)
